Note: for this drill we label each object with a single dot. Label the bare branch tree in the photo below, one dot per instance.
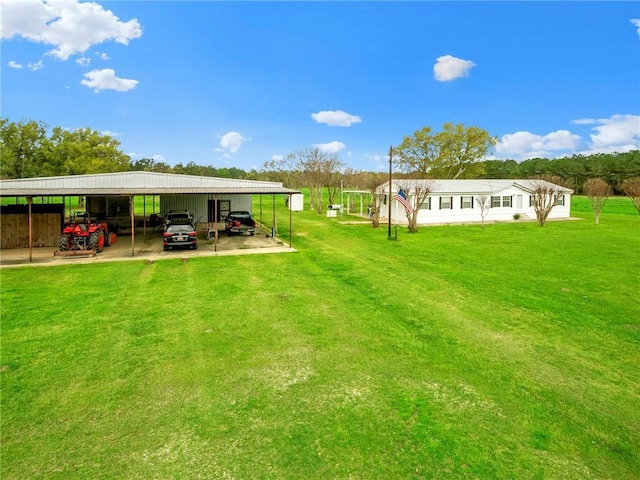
(285, 170)
(417, 192)
(631, 188)
(484, 202)
(319, 169)
(598, 192)
(371, 181)
(546, 193)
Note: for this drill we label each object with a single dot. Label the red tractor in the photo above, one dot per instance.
(81, 234)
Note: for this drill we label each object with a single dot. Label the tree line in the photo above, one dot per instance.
(456, 151)
(27, 150)
(575, 170)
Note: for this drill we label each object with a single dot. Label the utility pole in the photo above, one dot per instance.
(389, 196)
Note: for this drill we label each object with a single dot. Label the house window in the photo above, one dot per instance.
(560, 200)
(426, 205)
(446, 203)
(532, 200)
(466, 202)
(506, 201)
(495, 202)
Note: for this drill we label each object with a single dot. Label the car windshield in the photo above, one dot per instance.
(181, 221)
(180, 228)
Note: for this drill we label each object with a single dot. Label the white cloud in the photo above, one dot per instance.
(636, 22)
(336, 118)
(69, 25)
(137, 156)
(35, 66)
(13, 64)
(110, 133)
(523, 145)
(277, 158)
(331, 147)
(376, 157)
(83, 61)
(230, 143)
(106, 79)
(558, 140)
(104, 56)
(618, 133)
(449, 68)
(583, 121)
(380, 161)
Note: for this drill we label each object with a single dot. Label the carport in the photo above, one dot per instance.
(174, 188)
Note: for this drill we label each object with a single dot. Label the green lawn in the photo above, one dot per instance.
(456, 352)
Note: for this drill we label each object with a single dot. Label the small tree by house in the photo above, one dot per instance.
(421, 190)
(631, 188)
(598, 191)
(546, 194)
(371, 181)
(484, 202)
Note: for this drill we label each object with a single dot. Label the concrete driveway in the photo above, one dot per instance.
(149, 247)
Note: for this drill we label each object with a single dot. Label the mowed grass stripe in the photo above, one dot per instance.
(453, 353)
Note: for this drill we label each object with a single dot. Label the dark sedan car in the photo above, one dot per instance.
(180, 235)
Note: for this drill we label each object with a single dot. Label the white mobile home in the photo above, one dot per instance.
(458, 201)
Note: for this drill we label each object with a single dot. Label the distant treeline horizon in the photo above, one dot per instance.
(573, 170)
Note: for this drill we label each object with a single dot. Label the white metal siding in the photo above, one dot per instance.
(459, 215)
(198, 204)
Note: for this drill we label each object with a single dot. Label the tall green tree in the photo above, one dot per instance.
(150, 165)
(23, 149)
(451, 153)
(85, 151)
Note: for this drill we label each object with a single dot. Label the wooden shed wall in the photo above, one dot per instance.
(45, 228)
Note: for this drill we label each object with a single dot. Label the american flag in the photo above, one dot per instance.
(402, 198)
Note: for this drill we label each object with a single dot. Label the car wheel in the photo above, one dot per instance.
(252, 233)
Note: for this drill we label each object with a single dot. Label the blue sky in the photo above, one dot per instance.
(236, 84)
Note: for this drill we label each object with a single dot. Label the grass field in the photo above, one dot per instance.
(457, 352)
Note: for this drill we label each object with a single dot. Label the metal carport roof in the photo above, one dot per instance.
(136, 183)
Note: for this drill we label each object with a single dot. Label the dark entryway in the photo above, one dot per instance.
(217, 210)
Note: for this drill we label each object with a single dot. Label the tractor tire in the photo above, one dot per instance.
(96, 241)
(64, 242)
(107, 238)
